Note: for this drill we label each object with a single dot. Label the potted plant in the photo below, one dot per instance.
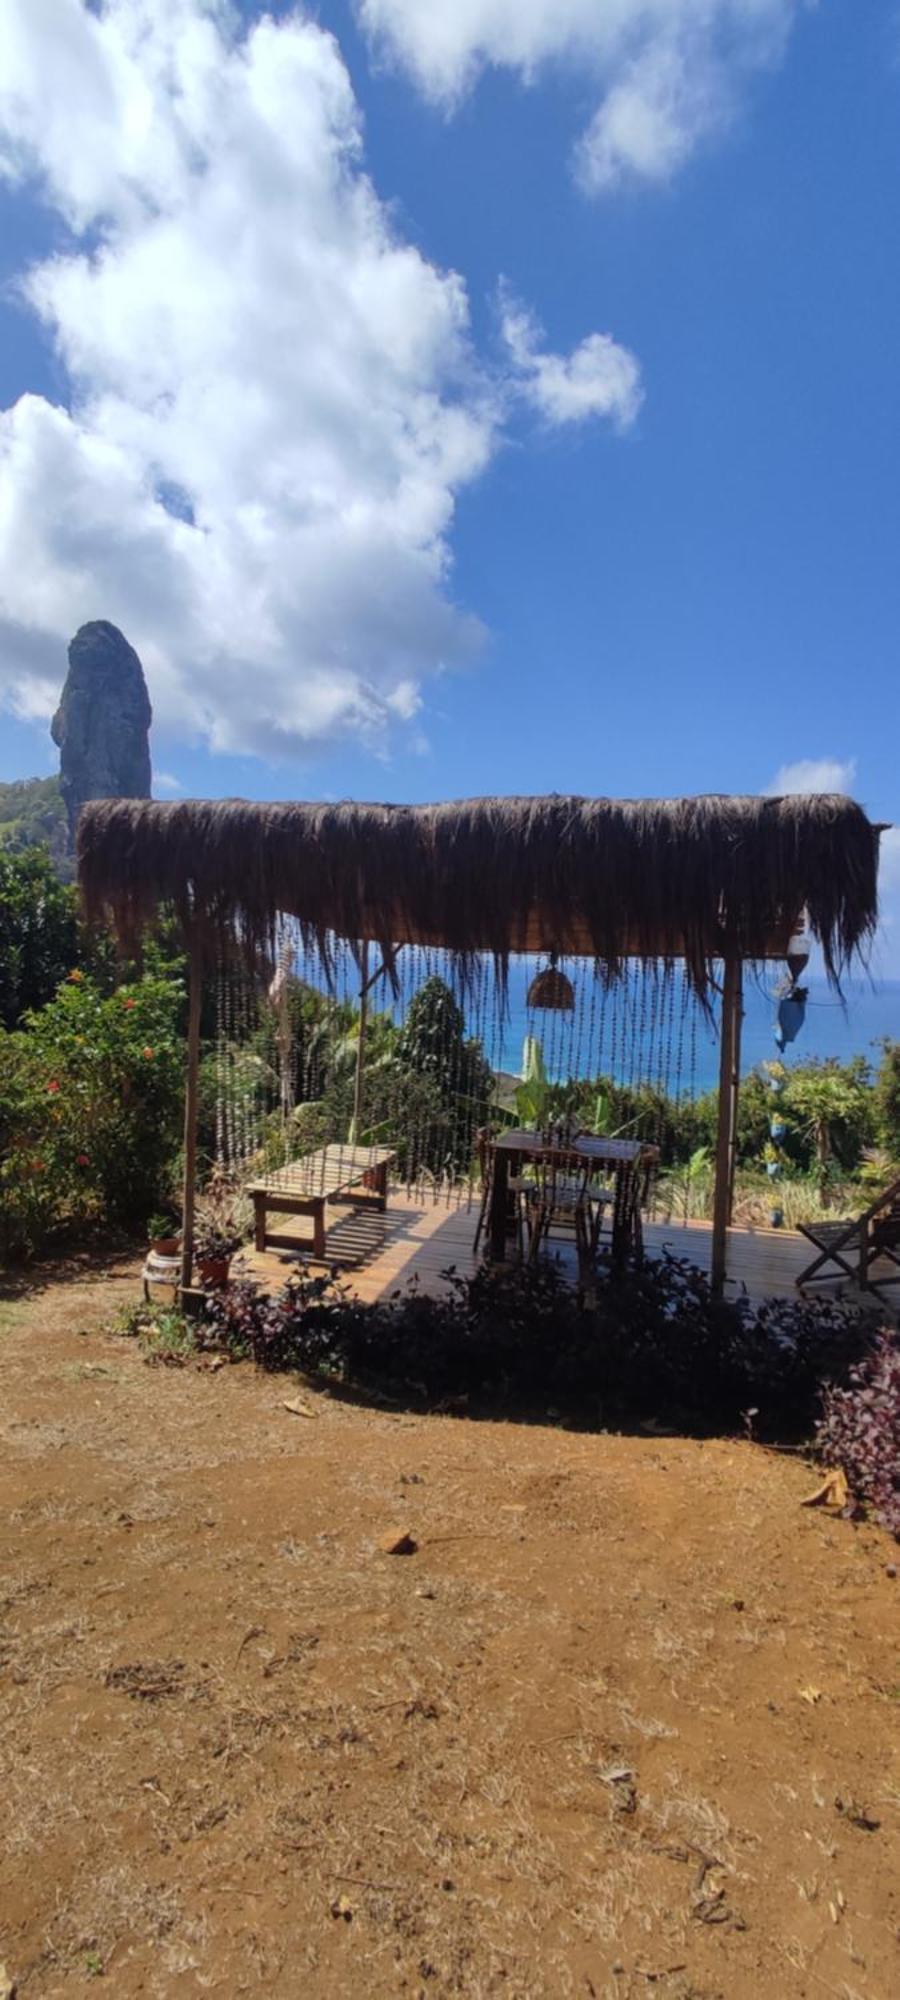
(163, 1235)
(215, 1246)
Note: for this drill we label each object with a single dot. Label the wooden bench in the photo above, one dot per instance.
(357, 1174)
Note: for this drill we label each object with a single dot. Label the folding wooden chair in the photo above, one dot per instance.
(853, 1246)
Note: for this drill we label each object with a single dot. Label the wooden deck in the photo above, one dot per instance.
(379, 1253)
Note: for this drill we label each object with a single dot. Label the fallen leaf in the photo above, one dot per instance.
(624, 1790)
(833, 1492)
(342, 1907)
(7, 1985)
(298, 1408)
(810, 1694)
(857, 1814)
(398, 1542)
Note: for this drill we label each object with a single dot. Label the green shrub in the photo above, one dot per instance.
(520, 1339)
(38, 932)
(887, 1099)
(90, 1109)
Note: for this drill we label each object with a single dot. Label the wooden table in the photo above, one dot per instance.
(357, 1174)
(514, 1149)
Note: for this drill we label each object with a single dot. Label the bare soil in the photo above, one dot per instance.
(622, 1725)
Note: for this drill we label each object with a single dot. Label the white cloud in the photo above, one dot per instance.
(164, 781)
(274, 400)
(598, 379)
(665, 73)
(814, 774)
(653, 116)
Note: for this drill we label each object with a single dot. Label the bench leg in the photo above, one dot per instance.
(319, 1229)
(381, 1181)
(259, 1221)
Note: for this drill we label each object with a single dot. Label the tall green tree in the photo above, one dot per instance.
(39, 936)
(887, 1098)
(832, 1103)
(449, 1081)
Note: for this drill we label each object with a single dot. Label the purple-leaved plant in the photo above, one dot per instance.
(859, 1431)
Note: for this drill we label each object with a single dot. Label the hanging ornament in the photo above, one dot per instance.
(776, 1129)
(551, 990)
(797, 954)
(791, 1016)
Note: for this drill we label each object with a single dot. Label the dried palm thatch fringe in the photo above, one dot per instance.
(608, 879)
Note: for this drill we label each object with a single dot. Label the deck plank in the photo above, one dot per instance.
(378, 1253)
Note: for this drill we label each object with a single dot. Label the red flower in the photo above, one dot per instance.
(75, 977)
(52, 1086)
(83, 1160)
(128, 1003)
(37, 1166)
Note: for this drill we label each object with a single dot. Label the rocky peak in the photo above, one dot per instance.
(103, 721)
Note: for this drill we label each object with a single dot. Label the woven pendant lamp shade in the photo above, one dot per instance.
(551, 991)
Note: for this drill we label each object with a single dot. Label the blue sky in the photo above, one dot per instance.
(665, 562)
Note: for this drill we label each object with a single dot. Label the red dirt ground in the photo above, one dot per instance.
(622, 1726)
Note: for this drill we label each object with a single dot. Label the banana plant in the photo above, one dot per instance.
(680, 1180)
(533, 1093)
(603, 1115)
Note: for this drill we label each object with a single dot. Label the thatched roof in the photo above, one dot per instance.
(602, 878)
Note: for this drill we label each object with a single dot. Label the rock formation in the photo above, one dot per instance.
(103, 721)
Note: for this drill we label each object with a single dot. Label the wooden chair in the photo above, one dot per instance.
(853, 1246)
(558, 1200)
(515, 1187)
(637, 1199)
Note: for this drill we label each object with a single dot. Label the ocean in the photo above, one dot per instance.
(635, 1038)
(869, 1013)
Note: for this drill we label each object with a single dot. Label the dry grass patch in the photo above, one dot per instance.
(587, 1741)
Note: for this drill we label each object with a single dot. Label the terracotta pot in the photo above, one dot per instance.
(165, 1246)
(213, 1270)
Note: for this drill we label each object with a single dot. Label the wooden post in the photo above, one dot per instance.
(729, 1065)
(195, 995)
(361, 1049)
(735, 1087)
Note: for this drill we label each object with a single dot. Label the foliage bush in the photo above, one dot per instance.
(652, 1343)
(165, 1336)
(90, 1108)
(887, 1099)
(38, 932)
(859, 1430)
